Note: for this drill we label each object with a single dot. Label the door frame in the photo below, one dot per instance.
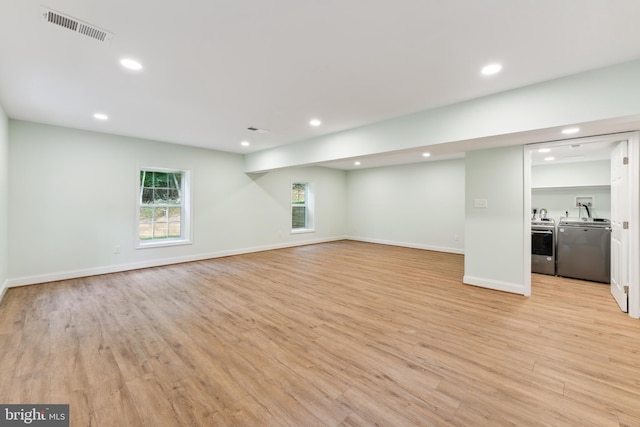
(634, 214)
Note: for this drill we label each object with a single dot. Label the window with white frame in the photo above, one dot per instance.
(302, 205)
(163, 207)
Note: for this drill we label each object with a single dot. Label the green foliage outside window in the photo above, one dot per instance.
(160, 205)
(298, 205)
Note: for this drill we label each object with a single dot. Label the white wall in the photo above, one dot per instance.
(558, 201)
(576, 174)
(72, 199)
(555, 188)
(491, 121)
(4, 200)
(419, 205)
(494, 236)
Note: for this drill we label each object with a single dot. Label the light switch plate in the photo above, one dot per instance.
(480, 203)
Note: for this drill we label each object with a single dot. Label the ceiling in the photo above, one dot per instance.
(572, 152)
(213, 68)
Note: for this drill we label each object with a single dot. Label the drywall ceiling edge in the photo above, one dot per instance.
(599, 95)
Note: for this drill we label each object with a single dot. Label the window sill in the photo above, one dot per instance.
(303, 230)
(162, 243)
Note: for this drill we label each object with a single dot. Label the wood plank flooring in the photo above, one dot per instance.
(337, 334)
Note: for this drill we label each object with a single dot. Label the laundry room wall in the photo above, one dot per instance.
(555, 188)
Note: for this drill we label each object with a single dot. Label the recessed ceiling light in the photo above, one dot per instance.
(100, 116)
(491, 69)
(544, 150)
(548, 159)
(426, 154)
(569, 131)
(131, 64)
(356, 163)
(245, 143)
(315, 122)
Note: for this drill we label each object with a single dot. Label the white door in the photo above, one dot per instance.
(619, 231)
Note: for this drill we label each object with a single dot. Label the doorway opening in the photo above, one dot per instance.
(569, 182)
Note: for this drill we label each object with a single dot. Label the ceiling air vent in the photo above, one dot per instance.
(73, 24)
(258, 130)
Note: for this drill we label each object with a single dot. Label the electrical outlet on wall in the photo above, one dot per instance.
(116, 249)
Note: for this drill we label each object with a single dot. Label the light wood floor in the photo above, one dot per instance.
(336, 334)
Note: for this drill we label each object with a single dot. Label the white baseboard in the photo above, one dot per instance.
(94, 271)
(494, 284)
(408, 245)
(73, 274)
(3, 289)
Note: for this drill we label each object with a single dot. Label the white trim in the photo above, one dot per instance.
(527, 221)
(634, 225)
(302, 230)
(494, 285)
(408, 245)
(157, 243)
(116, 268)
(3, 289)
(74, 274)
